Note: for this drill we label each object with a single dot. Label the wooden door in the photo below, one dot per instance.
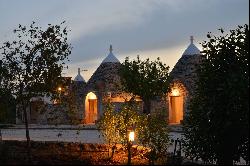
(176, 109)
(92, 113)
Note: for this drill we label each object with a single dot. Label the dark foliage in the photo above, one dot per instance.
(146, 79)
(7, 107)
(32, 63)
(217, 127)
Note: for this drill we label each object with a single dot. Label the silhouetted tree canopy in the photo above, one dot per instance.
(7, 101)
(7, 107)
(217, 127)
(147, 79)
(34, 61)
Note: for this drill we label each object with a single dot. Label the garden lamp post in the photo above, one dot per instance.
(131, 138)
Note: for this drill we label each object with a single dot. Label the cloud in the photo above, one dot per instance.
(145, 27)
(158, 24)
(90, 17)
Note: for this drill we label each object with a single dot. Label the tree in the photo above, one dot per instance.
(150, 130)
(217, 127)
(34, 62)
(147, 79)
(70, 102)
(7, 101)
(154, 133)
(115, 125)
(7, 107)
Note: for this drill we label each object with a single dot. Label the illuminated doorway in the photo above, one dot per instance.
(175, 106)
(90, 108)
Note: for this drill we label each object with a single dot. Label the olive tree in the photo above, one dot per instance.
(34, 61)
(154, 133)
(115, 124)
(151, 131)
(7, 100)
(147, 79)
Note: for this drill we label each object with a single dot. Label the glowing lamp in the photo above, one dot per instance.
(131, 136)
(175, 92)
(59, 88)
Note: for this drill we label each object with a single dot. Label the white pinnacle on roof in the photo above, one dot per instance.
(192, 49)
(110, 57)
(79, 77)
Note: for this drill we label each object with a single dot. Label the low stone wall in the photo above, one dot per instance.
(68, 153)
(63, 153)
(14, 152)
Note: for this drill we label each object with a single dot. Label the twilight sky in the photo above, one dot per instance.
(149, 28)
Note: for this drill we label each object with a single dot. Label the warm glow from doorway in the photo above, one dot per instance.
(90, 108)
(175, 92)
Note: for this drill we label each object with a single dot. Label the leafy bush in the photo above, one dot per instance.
(150, 130)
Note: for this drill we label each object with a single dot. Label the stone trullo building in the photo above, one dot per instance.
(183, 77)
(105, 85)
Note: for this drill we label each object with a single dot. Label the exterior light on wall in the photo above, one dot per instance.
(175, 92)
(60, 90)
(91, 96)
(109, 94)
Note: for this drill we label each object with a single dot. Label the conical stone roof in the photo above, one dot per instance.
(185, 69)
(191, 49)
(79, 78)
(110, 57)
(106, 76)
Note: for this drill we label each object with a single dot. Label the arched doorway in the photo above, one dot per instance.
(90, 108)
(176, 105)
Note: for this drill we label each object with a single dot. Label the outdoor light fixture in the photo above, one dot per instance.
(91, 96)
(131, 136)
(108, 94)
(175, 92)
(60, 90)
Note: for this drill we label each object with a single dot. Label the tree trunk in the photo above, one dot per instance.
(27, 132)
(24, 106)
(146, 106)
(113, 151)
(129, 145)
